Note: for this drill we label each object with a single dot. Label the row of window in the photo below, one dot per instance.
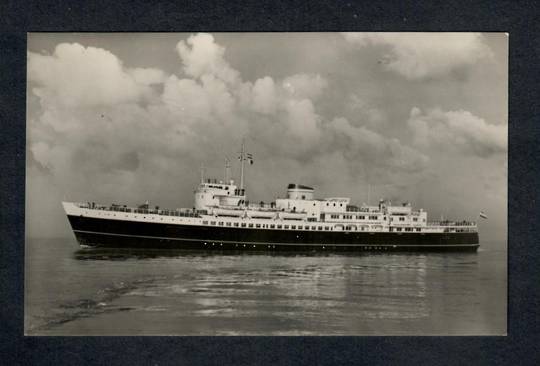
(466, 230)
(295, 227)
(334, 204)
(267, 226)
(401, 218)
(218, 187)
(357, 217)
(406, 229)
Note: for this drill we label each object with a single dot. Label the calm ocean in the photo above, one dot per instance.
(73, 291)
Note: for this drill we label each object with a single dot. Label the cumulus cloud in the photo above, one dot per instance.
(375, 150)
(421, 55)
(365, 112)
(265, 98)
(75, 75)
(458, 130)
(147, 76)
(302, 86)
(201, 55)
(303, 123)
(110, 134)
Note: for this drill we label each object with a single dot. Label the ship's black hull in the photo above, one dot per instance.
(142, 235)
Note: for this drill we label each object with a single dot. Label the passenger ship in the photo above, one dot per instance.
(223, 219)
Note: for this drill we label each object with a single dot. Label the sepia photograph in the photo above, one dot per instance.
(266, 184)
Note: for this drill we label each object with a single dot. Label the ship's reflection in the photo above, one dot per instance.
(125, 254)
(350, 289)
(129, 254)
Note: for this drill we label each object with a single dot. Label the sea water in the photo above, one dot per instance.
(74, 291)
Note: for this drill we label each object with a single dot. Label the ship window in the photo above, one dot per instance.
(286, 226)
(293, 227)
(212, 222)
(299, 227)
(326, 228)
(250, 225)
(303, 197)
(320, 227)
(221, 223)
(257, 225)
(314, 228)
(415, 219)
(398, 229)
(401, 219)
(279, 226)
(418, 229)
(373, 217)
(228, 224)
(334, 204)
(236, 224)
(272, 226)
(243, 224)
(313, 204)
(424, 220)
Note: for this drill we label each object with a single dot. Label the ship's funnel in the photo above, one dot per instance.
(299, 192)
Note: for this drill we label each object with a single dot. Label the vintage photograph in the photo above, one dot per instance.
(266, 184)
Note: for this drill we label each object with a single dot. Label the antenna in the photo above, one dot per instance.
(202, 172)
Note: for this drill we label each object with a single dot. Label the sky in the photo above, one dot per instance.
(130, 117)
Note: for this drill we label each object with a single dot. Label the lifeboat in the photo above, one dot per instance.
(256, 214)
(291, 215)
(227, 212)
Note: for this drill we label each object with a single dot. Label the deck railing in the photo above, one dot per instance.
(155, 211)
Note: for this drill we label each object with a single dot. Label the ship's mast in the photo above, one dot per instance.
(227, 170)
(242, 159)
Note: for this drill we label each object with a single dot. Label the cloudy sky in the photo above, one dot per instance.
(125, 118)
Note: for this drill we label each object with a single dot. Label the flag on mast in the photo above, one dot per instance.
(483, 215)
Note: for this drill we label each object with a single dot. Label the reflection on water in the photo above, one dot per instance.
(104, 291)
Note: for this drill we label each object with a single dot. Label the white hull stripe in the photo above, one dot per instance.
(268, 243)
